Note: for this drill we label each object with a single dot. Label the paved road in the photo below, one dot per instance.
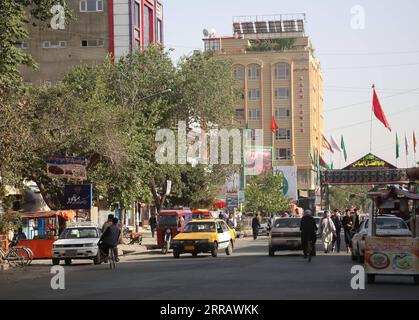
(249, 274)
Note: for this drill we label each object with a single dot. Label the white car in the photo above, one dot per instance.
(78, 242)
(387, 226)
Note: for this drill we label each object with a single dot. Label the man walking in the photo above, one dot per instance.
(338, 226)
(153, 225)
(255, 226)
(347, 227)
(308, 233)
(356, 225)
(327, 231)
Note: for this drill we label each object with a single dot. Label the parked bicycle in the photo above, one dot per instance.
(13, 257)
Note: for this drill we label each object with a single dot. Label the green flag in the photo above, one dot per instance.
(343, 147)
(310, 156)
(397, 146)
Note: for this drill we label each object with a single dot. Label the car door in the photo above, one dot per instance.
(223, 235)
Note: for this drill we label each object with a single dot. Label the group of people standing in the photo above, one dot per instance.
(331, 227)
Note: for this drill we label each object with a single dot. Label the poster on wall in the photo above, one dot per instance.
(290, 180)
(258, 160)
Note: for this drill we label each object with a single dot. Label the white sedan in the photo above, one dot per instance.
(387, 226)
(78, 242)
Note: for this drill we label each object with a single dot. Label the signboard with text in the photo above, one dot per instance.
(368, 162)
(78, 197)
(67, 167)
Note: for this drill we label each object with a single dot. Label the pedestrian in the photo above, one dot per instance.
(231, 221)
(347, 227)
(153, 225)
(327, 231)
(338, 226)
(356, 222)
(255, 226)
(308, 229)
(110, 239)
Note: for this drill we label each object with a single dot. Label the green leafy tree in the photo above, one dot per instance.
(348, 196)
(265, 195)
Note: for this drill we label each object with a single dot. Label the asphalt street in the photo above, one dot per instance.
(250, 274)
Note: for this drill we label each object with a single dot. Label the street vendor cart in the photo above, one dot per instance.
(393, 256)
(169, 224)
(42, 229)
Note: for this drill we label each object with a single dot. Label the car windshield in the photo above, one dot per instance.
(388, 224)
(287, 223)
(199, 227)
(80, 233)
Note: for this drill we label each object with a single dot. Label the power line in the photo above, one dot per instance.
(373, 67)
(368, 53)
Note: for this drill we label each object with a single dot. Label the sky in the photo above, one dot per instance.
(384, 52)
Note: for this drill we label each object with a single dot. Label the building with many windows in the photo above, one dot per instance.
(98, 28)
(274, 65)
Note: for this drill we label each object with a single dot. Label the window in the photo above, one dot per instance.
(282, 93)
(254, 72)
(159, 31)
(148, 28)
(282, 71)
(54, 44)
(254, 114)
(254, 94)
(282, 113)
(283, 134)
(239, 73)
(92, 43)
(22, 45)
(91, 5)
(254, 134)
(240, 114)
(212, 45)
(283, 154)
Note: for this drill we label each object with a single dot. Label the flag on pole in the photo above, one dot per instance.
(326, 144)
(323, 163)
(415, 142)
(406, 143)
(343, 147)
(274, 125)
(335, 145)
(378, 110)
(397, 147)
(310, 156)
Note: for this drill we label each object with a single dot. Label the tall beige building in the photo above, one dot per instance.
(275, 66)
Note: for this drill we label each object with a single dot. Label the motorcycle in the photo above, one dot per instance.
(167, 241)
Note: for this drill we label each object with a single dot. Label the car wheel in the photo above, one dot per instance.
(416, 280)
(229, 250)
(271, 252)
(176, 254)
(371, 278)
(67, 262)
(55, 262)
(361, 259)
(97, 260)
(194, 254)
(214, 251)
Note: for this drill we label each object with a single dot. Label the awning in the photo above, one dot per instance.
(65, 214)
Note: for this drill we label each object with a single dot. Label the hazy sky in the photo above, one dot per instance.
(385, 52)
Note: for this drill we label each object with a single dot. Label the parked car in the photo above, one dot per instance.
(204, 236)
(265, 227)
(285, 235)
(77, 242)
(387, 226)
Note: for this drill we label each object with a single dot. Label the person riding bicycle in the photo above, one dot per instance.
(308, 233)
(110, 239)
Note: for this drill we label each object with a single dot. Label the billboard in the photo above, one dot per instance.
(258, 160)
(78, 197)
(67, 167)
(232, 200)
(290, 180)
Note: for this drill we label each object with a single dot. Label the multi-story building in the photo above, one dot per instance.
(98, 28)
(275, 66)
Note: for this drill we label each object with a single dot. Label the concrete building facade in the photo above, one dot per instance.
(98, 28)
(280, 77)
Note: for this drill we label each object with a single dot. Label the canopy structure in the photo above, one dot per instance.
(65, 214)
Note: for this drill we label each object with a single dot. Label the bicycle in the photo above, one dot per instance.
(25, 252)
(12, 258)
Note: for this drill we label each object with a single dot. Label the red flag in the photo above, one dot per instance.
(274, 125)
(323, 163)
(415, 142)
(378, 110)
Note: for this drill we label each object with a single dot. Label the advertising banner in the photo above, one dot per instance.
(392, 256)
(290, 180)
(258, 160)
(232, 199)
(78, 197)
(67, 167)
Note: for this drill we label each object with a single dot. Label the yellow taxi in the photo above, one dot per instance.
(204, 236)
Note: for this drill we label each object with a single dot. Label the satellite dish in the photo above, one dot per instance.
(213, 32)
(206, 33)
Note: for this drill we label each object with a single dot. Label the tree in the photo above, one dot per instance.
(264, 194)
(348, 196)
